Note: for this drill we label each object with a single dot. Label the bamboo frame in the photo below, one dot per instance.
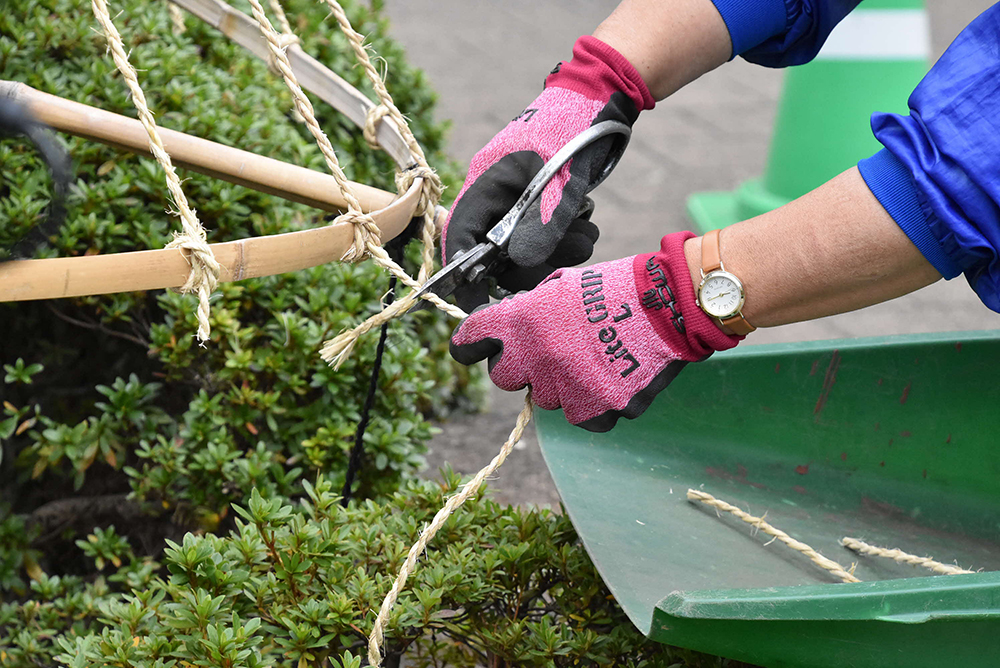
(313, 75)
(298, 184)
(23, 280)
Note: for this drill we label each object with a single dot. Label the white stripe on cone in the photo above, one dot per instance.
(880, 34)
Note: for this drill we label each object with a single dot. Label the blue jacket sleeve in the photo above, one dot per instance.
(778, 33)
(939, 174)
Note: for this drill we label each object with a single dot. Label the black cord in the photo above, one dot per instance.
(395, 250)
(354, 464)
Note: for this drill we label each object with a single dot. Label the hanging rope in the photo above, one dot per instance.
(386, 107)
(204, 274)
(467, 491)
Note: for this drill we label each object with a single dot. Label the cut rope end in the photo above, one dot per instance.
(901, 557)
(336, 351)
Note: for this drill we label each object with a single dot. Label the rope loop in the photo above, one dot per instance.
(204, 276)
(372, 120)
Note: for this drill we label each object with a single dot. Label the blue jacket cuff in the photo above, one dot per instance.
(751, 23)
(892, 184)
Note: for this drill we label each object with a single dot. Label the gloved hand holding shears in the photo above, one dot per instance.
(598, 342)
(597, 85)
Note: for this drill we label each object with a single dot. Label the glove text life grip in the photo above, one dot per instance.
(600, 342)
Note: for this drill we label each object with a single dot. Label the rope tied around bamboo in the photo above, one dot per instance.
(387, 107)
(205, 268)
(372, 120)
(285, 41)
(430, 190)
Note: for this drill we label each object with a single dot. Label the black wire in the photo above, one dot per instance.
(354, 464)
(395, 250)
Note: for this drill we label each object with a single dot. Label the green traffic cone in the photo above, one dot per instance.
(871, 62)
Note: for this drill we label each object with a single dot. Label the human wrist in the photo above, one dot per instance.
(692, 256)
(666, 287)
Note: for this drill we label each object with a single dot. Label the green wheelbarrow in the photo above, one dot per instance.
(895, 441)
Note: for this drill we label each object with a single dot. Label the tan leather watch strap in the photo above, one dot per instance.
(710, 258)
(738, 324)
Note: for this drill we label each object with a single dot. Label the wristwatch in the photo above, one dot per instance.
(720, 294)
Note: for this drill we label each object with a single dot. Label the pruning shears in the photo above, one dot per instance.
(489, 259)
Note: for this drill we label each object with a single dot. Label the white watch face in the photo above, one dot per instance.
(721, 295)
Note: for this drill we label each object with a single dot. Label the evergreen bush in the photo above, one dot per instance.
(164, 504)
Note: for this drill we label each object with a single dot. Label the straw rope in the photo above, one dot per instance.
(279, 12)
(759, 523)
(901, 557)
(204, 274)
(367, 243)
(338, 349)
(366, 232)
(468, 490)
(431, 184)
(176, 18)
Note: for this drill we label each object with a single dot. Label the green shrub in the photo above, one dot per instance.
(127, 394)
(125, 447)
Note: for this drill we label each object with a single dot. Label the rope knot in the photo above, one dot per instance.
(285, 40)
(204, 276)
(366, 235)
(431, 189)
(372, 119)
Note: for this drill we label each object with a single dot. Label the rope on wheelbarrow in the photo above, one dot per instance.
(778, 534)
(901, 557)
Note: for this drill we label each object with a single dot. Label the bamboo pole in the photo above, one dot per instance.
(23, 280)
(312, 75)
(268, 175)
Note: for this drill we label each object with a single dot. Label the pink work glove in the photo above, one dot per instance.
(598, 341)
(598, 84)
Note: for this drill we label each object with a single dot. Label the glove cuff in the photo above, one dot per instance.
(667, 295)
(598, 72)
